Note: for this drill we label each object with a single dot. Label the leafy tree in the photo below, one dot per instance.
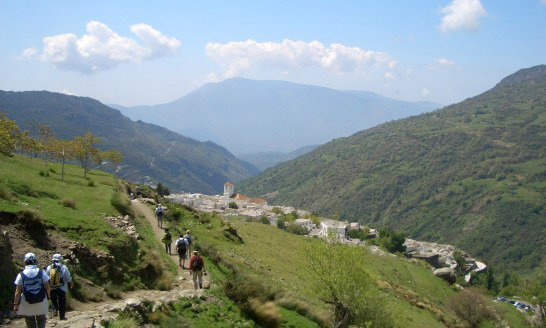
(64, 150)
(352, 294)
(489, 279)
(297, 229)
(264, 219)
(233, 205)
(115, 158)
(8, 135)
(85, 150)
(459, 258)
(277, 210)
(281, 224)
(391, 240)
(47, 139)
(162, 190)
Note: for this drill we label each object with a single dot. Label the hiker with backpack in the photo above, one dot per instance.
(138, 191)
(197, 269)
(189, 239)
(32, 292)
(159, 215)
(182, 249)
(59, 281)
(167, 240)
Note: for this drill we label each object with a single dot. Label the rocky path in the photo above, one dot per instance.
(90, 315)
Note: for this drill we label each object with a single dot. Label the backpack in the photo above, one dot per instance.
(33, 288)
(167, 238)
(182, 244)
(197, 264)
(159, 211)
(56, 279)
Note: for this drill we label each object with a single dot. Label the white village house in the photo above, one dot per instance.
(328, 226)
(306, 223)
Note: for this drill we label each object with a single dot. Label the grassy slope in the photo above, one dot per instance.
(472, 174)
(86, 222)
(278, 258)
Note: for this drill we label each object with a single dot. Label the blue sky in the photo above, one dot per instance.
(150, 52)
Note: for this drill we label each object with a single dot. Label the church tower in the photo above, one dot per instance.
(228, 190)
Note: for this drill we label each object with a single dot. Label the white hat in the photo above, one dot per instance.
(57, 257)
(30, 257)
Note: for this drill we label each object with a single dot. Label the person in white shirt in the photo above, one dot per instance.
(59, 286)
(32, 293)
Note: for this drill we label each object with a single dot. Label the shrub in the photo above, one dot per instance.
(126, 322)
(90, 183)
(266, 313)
(264, 220)
(68, 203)
(176, 213)
(112, 290)
(233, 205)
(281, 224)
(297, 230)
(470, 307)
(121, 203)
(5, 193)
(52, 170)
(43, 173)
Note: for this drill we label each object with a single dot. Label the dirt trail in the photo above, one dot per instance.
(89, 315)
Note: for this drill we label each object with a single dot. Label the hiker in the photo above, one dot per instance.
(159, 215)
(59, 281)
(32, 293)
(189, 238)
(132, 196)
(138, 191)
(167, 240)
(181, 249)
(197, 269)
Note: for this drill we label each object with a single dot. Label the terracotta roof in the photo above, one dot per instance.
(228, 184)
(238, 196)
(257, 200)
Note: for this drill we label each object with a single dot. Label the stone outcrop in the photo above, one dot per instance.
(447, 274)
(125, 224)
(81, 253)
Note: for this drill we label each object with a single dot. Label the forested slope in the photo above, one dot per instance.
(472, 174)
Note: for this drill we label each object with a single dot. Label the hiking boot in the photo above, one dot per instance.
(201, 286)
(63, 318)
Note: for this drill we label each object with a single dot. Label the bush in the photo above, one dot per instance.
(266, 313)
(90, 183)
(233, 205)
(297, 230)
(68, 203)
(470, 307)
(113, 291)
(127, 322)
(281, 224)
(43, 173)
(52, 170)
(121, 203)
(264, 220)
(391, 240)
(5, 193)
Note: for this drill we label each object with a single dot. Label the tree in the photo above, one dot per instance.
(489, 278)
(459, 258)
(391, 240)
(47, 139)
(64, 150)
(85, 151)
(8, 135)
(162, 190)
(281, 224)
(233, 205)
(352, 294)
(115, 158)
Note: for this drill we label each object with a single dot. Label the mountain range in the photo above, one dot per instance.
(151, 153)
(264, 160)
(472, 174)
(249, 116)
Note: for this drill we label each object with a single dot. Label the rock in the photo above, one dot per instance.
(446, 273)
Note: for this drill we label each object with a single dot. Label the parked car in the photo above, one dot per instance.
(501, 298)
(511, 301)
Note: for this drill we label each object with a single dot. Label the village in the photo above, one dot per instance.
(439, 256)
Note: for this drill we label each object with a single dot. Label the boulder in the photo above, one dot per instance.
(446, 273)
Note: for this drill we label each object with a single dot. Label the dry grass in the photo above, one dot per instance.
(470, 307)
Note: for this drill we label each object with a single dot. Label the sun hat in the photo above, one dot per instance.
(30, 257)
(57, 257)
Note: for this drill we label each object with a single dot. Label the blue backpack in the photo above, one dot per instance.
(33, 288)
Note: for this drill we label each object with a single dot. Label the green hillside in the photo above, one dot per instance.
(472, 174)
(151, 153)
(42, 214)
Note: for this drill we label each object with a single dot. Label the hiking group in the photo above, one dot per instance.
(35, 286)
(183, 244)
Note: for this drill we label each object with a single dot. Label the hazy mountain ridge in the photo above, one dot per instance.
(265, 160)
(248, 116)
(472, 174)
(179, 162)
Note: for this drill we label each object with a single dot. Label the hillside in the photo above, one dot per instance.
(265, 160)
(248, 116)
(471, 174)
(151, 153)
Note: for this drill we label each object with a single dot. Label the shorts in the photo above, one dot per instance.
(182, 254)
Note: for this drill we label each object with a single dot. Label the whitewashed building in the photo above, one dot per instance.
(306, 223)
(337, 228)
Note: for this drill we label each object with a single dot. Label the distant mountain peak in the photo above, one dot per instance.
(532, 74)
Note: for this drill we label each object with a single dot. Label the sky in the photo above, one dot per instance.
(151, 52)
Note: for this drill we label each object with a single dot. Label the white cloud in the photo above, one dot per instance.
(389, 76)
(445, 62)
(462, 14)
(29, 53)
(425, 92)
(101, 48)
(236, 57)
